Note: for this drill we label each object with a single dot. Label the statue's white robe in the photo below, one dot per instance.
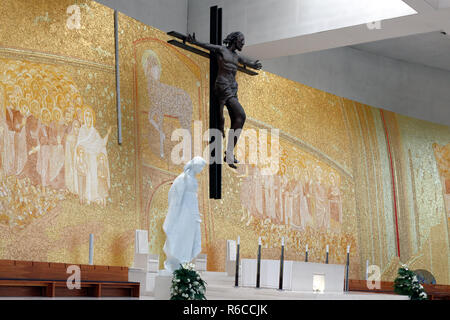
(182, 223)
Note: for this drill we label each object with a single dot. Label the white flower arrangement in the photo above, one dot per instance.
(188, 266)
(187, 284)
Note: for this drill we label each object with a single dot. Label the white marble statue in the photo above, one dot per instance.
(182, 224)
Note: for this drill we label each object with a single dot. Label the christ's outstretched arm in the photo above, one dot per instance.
(255, 64)
(208, 46)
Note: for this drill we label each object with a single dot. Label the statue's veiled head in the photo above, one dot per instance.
(195, 165)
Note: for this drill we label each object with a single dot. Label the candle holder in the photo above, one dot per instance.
(236, 276)
(306, 254)
(91, 249)
(258, 265)
(346, 269)
(367, 270)
(326, 257)
(280, 286)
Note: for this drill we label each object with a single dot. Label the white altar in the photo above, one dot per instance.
(145, 265)
(269, 274)
(230, 262)
(297, 276)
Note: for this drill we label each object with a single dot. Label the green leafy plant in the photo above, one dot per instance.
(407, 284)
(187, 284)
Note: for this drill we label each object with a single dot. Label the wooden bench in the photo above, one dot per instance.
(434, 291)
(58, 288)
(30, 278)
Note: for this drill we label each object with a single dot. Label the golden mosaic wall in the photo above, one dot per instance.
(177, 98)
(349, 174)
(57, 97)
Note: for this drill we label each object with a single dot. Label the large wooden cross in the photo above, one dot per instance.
(215, 169)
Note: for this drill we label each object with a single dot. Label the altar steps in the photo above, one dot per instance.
(220, 286)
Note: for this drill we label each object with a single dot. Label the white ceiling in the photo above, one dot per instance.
(264, 21)
(430, 49)
(430, 16)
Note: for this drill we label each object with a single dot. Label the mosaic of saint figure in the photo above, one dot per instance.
(16, 129)
(442, 154)
(304, 200)
(302, 216)
(165, 100)
(334, 196)
(70, 156)
(322, 213)
(48, 143)
(93, 145)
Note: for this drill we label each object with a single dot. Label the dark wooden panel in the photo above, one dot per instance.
(58, 271)
(438, 288)
(28, 288)
(361, 285)
(34, 278)
(24, 263)
(21, 291)
(58, 266)
(66, 292)
(7, 263)
(116, 269)
(50, 290)
(97, 292)
(116, 292)
(41, 265)
(437, 291)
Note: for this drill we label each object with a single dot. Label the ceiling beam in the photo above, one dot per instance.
(426, 20)
(421, 6)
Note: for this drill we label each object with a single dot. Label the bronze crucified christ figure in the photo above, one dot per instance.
(226, 86)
